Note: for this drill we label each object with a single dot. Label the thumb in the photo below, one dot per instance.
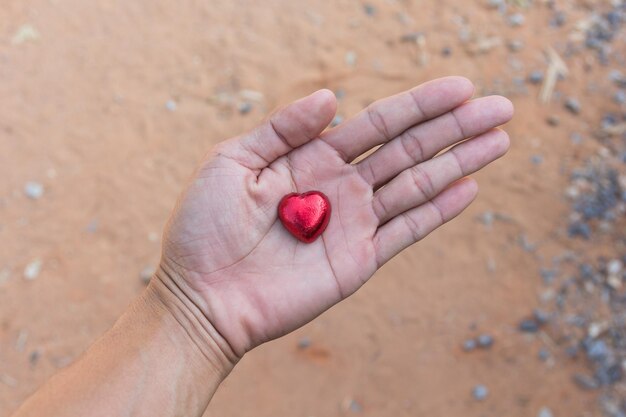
(286, 129)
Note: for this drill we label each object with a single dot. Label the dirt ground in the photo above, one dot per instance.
(110, 103)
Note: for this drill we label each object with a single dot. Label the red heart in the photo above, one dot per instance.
(305, 215)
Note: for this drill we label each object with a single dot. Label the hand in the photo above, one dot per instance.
(225, 250)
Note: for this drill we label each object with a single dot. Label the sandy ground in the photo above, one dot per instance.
(110, 104)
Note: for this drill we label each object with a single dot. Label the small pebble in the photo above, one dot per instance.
(355, 407)
(337, 120)
(586, 382)
(576, 138)
(553, 120)
(351, 58)
(526, 244)
(543, 355)
(558, 19)
(446, 51)
(614, 267)
(535, 77)
(516, 19)
(571, 351)
(33, 269)
(25, 33)
(171, 105)
(495, 3)
(304, 342)
(536, 159)
(572, 105)
(548, 275)
(579, 229)
(618, 78)
(545, 412)
(597, 350)
(608, 120)
(369, 9)
(620, 97)
(146, 274)
(515, 45)
(92, 227)
(469, 345)
(541, 317)
(34, 356)
(529, 326)
(487, 218)
(33, 190)
(22, 339)
(485, 341)
(244, 108)
(480, 392)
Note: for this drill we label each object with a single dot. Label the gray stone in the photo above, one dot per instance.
(244, 108)
(304, 342)
(572, 105)
(614, 267)
(535, 77)
(469, 345)
(529, 326)
(369, 9)
(536, 159)
(337, 120)
(553, 120)
(515, 45)
(485, 341)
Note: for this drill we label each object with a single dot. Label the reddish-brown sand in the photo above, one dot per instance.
(83, 111)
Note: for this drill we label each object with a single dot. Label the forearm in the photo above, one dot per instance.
(158, 359)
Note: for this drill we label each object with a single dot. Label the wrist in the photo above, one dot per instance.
(189, 328)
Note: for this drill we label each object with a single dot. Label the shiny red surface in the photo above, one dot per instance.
(305, 215)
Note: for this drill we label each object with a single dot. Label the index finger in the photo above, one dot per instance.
(385, 119)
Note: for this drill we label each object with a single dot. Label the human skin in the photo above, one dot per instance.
(231, 277)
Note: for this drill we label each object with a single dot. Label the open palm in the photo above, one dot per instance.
(226, 250)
